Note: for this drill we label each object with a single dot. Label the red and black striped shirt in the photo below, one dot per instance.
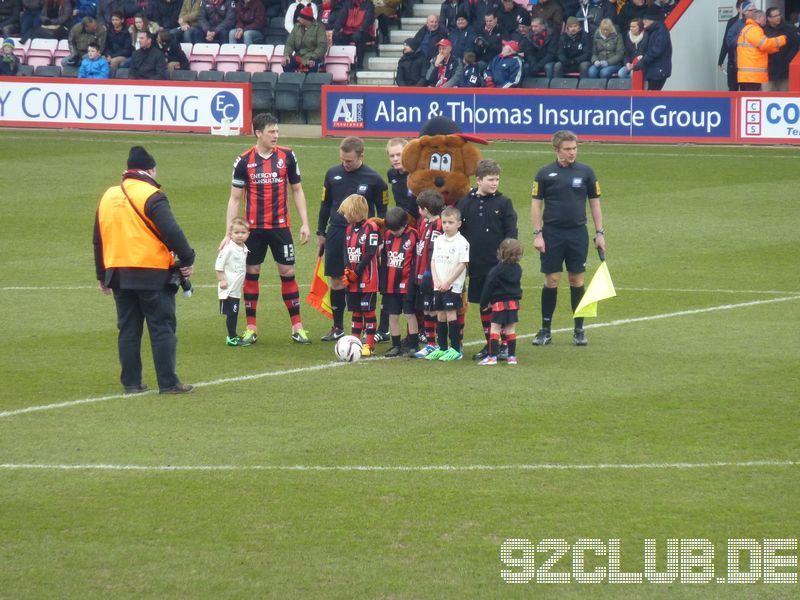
(265, 182)
(429, 231)
(362, 243)
(397, 260)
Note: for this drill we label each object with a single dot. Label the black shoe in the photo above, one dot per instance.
(542, 338)
(481, 354)
(579, 338)
(503, 354)
(181, 388)
(136, 389)
(382, 336)
(393, 352)
(334, 334)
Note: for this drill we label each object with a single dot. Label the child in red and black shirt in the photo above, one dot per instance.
(397, 279)
(362, 242)
(431, 205)
(502, 291)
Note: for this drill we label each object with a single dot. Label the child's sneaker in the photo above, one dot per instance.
(425, 351)
(436, 354)
(233, 341)
(366, 351)
(512, 360)
(248, 338)
(300, 336)
(451, 354)
(489, 360)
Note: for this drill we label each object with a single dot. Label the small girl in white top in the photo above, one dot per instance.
(230, 268)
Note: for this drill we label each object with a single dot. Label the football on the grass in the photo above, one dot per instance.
(348, 348)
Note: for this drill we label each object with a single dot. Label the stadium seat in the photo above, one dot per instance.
(263, 90)
(563, 83)
(183, 75)
(256, 57)
(41, 52)
(287, 91)
(203, 56)
(230, 57)
(210, 76)
(25, 71)
(276, 31)
(47, 71)
(339, 62)
(122, 73)
(619, 84)
(536, 83)
(276, 60)
(237, 76)
(187, 49)
(68, 71)
(20, 49)
(593, 83)
(62, 51)
(311, 90)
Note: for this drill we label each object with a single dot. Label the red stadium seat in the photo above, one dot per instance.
(203, 56)
(230, 57)
(276, 61)
(256, 57)
(41, 52)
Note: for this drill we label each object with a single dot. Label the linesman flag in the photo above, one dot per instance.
(320, 295)
(600, 288)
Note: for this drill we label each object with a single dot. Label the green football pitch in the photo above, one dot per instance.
(289, 475)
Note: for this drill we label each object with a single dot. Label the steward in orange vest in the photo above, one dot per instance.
(753, 50)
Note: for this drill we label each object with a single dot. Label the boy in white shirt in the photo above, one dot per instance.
(230, 268)
(449, 270)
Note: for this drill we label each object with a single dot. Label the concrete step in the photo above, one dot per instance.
(398, 36)
(391, 50)
(425, 9)
(375, 77)
(381, 63)
(413, 22)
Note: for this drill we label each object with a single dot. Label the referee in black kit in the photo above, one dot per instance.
(351, 176)
(564, 186)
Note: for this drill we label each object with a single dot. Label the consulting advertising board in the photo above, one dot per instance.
(111, 104)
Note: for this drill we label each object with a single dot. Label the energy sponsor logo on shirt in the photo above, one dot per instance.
(349, 114)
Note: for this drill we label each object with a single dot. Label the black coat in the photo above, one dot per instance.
(779, 62)
(148, 64)
(411, 70)
(656, 59)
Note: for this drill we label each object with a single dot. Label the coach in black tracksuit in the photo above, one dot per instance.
(352, 176)
(563, 187)
(487, 218)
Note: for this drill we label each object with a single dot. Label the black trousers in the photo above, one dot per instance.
(157, 307)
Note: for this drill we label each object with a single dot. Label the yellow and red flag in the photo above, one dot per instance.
(320, 295)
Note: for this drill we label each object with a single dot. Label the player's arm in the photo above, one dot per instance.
(300, 203)
(460, 268)
(536, 222)
(234, 203)
(597, 217)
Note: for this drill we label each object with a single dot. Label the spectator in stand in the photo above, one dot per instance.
(753, 52)
(778, 66)
(445, 70)
(307, 44)
(94, 65)
(472, 77)
(80, 36)
(412, 66)
(463, 38)
(105, 8)
(449, 12)
(478, 11)
(385, 12)
(429, 36)
(729, 51)
(633, 9)
(550, 12)
(591, 13)
(540, 49)
(9, 16)
(608, 51)
(166, 13)
(574, 50)
(506, 69)
(141, 23)
(488, 41)
(251, 19)
(663, 6)
(54, 18)
(214, 22)
(119, 47)
(523, 31)
(293, 12)
(9, 62)
(187, 20)
(173, 53)
(634, 46)
(569, 8)
(83, 8)
(656, 61)
(147, 62)
(30, 18)
(354, 25)
(509, 17)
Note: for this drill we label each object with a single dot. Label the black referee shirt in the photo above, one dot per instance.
(401, 194)
(339, 184)
(565, 191)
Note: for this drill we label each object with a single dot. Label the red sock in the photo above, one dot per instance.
(486, 320)
(291, 298)
(370, 322)
(250, 293)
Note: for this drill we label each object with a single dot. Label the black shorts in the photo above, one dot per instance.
(475, 289)
(334, 252)
(505, 312)
(361, 301)
(229, 306)
(564, 245)
(277, 240)
(446, 301)
(398, 304)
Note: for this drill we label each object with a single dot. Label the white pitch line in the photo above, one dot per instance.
(331, 365)
(400, 468)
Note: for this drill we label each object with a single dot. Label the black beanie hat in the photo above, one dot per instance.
(140, 159)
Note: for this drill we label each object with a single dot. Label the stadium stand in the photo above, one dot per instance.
(47, 71)
(210, 76)
(263, 90)
(230, 57)
(536, 83)
(182, 75)
(311, 90)
(237, 76)
(256, 57)
(287, 92)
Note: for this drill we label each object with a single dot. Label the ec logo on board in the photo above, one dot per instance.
(224, 106)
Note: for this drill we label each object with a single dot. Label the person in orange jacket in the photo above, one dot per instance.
(752, 52)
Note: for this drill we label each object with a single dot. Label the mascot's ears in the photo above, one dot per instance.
(412, 151)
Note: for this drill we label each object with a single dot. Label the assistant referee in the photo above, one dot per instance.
(561, 238)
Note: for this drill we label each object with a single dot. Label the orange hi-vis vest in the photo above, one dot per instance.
(752, 50)
(127, 240)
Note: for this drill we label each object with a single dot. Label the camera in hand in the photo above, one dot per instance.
(178, 279)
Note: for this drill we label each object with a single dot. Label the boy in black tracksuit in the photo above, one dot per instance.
(488, 217)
